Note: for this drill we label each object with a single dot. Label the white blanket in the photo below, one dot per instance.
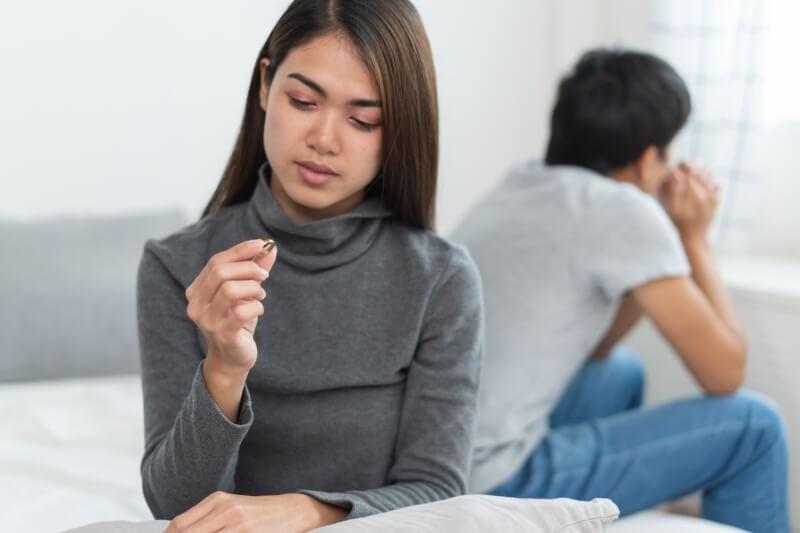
(70, 452)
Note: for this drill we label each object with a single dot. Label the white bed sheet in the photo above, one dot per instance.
(70, 452)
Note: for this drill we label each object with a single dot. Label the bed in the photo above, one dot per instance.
(70, 451)
(71, 436)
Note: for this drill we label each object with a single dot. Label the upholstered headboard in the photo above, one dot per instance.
(67, 294)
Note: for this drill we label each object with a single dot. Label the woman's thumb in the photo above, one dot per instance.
(267, 260)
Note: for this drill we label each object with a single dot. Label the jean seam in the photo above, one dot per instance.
(775, 491)
(623, 453)
(773, 459)
(723, 426)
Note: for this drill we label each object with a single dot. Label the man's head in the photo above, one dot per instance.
(617, 113)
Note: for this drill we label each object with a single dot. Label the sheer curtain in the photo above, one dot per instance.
(738, 57)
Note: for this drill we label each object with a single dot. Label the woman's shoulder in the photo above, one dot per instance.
(185, 252)
(431, 255)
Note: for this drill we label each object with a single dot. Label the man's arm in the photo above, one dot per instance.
(714, 353)
(628, 315)
(706, 276)
(695, 314)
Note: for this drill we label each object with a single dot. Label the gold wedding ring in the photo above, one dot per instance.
(266, 247)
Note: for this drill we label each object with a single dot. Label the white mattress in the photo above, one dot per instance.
(70, 452)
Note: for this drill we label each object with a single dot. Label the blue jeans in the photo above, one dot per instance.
(603, 444)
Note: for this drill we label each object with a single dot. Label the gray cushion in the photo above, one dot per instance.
(67, 294)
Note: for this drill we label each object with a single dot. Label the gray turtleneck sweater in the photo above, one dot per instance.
(364, 391)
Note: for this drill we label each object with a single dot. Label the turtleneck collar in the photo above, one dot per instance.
(317, 245)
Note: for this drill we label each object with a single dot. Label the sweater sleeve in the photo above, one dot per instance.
(434, 443)
(191, 448)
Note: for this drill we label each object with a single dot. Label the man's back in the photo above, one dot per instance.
(557, 247)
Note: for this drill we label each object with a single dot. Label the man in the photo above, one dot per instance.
(572, 253)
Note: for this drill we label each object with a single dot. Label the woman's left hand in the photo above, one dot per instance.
(286, 513)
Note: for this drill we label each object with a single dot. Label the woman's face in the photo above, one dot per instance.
(322, 132)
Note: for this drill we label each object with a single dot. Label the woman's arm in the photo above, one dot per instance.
(285, 512)
(190, 445)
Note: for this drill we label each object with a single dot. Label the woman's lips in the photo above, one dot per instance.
(315, 174)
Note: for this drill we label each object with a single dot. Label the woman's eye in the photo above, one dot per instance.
(366, 126)
(301, 104)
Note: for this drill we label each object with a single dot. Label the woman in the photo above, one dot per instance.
(352, 389)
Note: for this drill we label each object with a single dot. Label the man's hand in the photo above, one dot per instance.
(286, 513)
(690, 195)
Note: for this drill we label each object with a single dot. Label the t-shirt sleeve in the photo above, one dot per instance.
(629, 240)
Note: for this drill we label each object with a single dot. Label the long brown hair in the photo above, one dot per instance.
(392, 42)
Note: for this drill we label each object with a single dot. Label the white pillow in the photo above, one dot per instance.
(148, 526)
(488, 514)
(465, 514)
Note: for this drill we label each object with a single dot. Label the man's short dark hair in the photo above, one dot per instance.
(612, 106)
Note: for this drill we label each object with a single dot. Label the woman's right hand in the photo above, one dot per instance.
(225, 301)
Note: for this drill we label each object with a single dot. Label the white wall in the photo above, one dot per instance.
(112, 107)
(493, 64)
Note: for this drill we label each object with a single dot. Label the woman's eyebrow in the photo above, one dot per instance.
(357, 102)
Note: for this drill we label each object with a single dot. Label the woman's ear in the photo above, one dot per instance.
(263, 92)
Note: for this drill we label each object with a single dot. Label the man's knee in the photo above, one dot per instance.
(762, 417)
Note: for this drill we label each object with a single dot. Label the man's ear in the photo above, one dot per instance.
(263, 91)
(647, 162)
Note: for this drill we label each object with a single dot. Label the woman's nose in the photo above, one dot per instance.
(324, 136)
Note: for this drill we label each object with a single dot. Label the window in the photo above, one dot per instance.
(738, 57)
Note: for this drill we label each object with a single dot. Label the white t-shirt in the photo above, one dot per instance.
(557, 248)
